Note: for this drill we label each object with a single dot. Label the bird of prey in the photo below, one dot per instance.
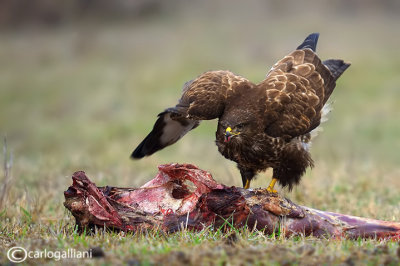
(260, 126)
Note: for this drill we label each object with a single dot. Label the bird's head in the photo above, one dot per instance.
(237, 124)
(233, 132)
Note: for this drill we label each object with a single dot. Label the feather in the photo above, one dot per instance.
(310, 42)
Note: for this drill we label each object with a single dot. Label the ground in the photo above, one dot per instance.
(80, 97)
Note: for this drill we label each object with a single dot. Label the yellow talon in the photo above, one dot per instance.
(247, 185)
(270, 188)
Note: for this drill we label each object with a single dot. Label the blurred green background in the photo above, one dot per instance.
(82, 82)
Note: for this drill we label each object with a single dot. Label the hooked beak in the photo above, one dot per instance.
(229, 134)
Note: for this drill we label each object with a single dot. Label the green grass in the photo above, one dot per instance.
(209, 246)
(80, 97)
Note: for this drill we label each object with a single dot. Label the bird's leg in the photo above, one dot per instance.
(247, 175)
(247, 185)
(270, 188)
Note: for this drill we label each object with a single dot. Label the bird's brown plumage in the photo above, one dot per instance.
(271, 121)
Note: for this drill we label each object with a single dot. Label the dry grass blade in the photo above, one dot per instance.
(6, 182)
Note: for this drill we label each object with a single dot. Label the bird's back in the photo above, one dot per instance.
(297, 88)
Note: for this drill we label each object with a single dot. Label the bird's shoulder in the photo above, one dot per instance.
(206, 96)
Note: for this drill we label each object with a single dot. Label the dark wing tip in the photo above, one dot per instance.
(151, 142)
(336, 67)
(138, 153)
(310, 42)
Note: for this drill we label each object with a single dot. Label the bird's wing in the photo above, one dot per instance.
(297, 87)
(203, 98)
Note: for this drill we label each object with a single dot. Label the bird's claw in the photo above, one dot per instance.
(271, 190)
(271, 186)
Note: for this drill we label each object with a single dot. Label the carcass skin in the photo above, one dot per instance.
(169, 203)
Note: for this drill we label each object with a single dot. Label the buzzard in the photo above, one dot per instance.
(262, 125)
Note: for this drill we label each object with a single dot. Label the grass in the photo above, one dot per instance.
(80, 97)
(234, 246)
